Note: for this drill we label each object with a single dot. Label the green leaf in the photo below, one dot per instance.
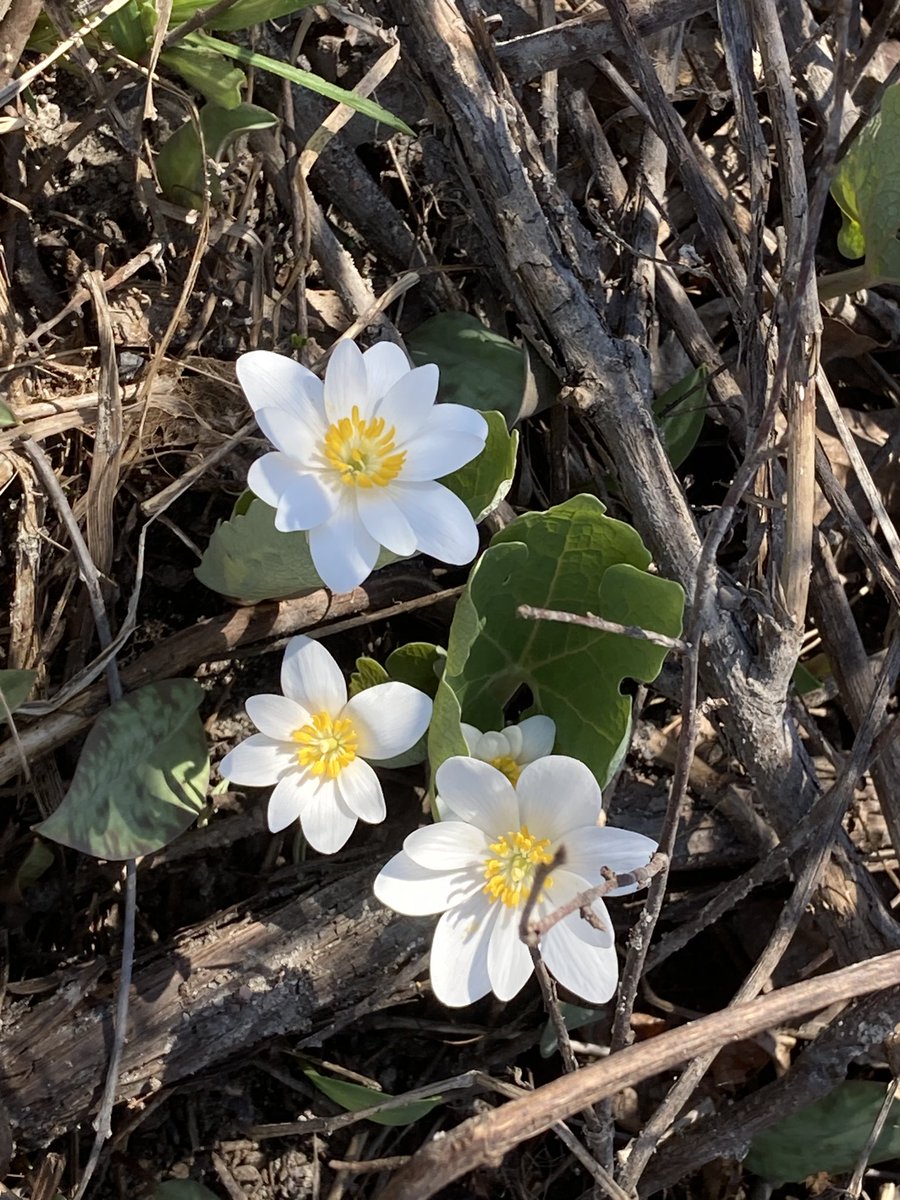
(680, 413)
(368, 108)
(484, 482)
(828, 1135)
(478, 368)
(355, 1098)
(36, 863)
(419, 664)
(7, 416)
(248, 560)
(142, 776)
(574, 1017)
(573, 558)
(131, 28)
(183, 1189)
(179, 165)
(241, 15)
(15, 686)
(205, 70)
(368, 674)
(867, 188)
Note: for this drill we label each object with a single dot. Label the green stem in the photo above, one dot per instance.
(841, 283)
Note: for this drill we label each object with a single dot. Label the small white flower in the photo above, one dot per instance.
(477, 866)
(313, 743)
(357, 457)
(513, 748)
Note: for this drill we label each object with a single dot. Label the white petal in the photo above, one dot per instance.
(388, 718)
(409, 404)
(509, 963)
(619, 849)
(471, 735)
(384, 520)
(441, 522)
(571, 951)
(558, 794)
(276, 716)
(567, 886)
(448, 846)
(361, 792)
(385, 364)
(345, 382)
(286, 802)
(298, 434)
(310, 676)
(538, 735)
(343, 553)
(479, 794)
(459, 951)
(458, 418)
(432, 455)
(492, 745)
(276, 381)
(297, 497)
(416, 891)
(326, 820)
(256, 762)
(515, 741)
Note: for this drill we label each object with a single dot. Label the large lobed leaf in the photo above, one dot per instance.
(248, 560)
(573, 558)
(142, 776)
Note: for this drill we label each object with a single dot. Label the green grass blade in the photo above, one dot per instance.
(368, 108)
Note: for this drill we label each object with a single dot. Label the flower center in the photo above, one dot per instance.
(509, 874)
(363, 452)
(508, 765)
(327, 745)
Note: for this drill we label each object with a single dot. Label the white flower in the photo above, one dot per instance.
(513, 748)
(477, 866)
(357, 457)
(313, 743)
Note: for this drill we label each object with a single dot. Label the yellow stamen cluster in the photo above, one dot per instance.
(508, 765)
(363, 452)
(327, 745)
(510, 872)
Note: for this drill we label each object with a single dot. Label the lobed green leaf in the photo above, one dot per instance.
(179, 165)
(573, 558)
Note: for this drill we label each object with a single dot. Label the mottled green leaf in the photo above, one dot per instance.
(7, 416)
(828, 1135)
(142, 776)
(355, 1098)
(573, 558)
(179, 165)
(680, 413)
(15, 686)
(248, 560)
(867, 188)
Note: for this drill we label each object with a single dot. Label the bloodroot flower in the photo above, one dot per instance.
(514, 747)
(357, 458)
(477, 866)
(313, 743)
